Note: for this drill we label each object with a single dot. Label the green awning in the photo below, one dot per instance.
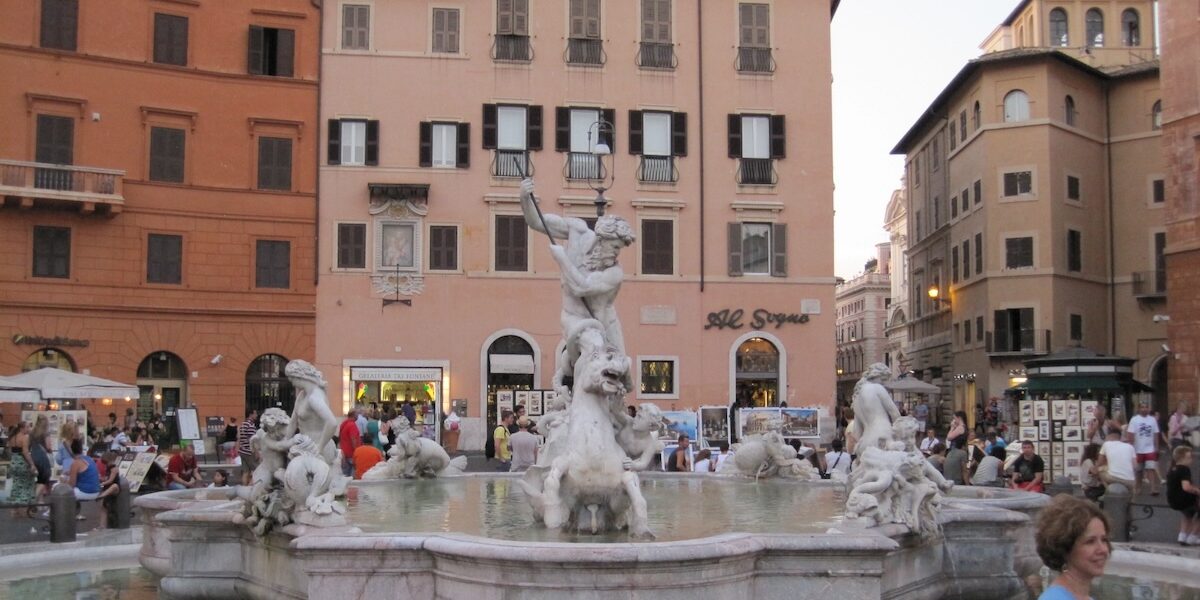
(1072, 384)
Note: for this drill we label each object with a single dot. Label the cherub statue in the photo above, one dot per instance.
(639, 436)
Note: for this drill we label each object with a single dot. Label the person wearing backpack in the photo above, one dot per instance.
(499, 440)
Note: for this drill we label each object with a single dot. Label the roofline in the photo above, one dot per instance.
(968, 70)
(1012, 16)
(833, 6)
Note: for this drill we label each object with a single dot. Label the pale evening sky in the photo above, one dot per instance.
(891, 58)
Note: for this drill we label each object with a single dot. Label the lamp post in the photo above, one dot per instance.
(600, 150)
(935, 295)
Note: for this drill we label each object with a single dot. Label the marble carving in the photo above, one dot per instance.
(767, 455)
(890, 482)
(585, 478)
(415, 456)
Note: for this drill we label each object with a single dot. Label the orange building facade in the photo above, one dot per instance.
(158, 188)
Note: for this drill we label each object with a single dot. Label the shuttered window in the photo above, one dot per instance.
(954, 264)
(443, 248)
(60, 24)
(966, 259)
(511, 243)
(1018, 183)
(445, 145)
(1158, 193)
(757, 248)
(52, 252)
(166, 154)
(585, 19)
(1018, 252)
(55, 140)
(274, 163)
(351, 246)
(979, 254)
(164, 258)
(353, 142)
(356, 27)
(271, 51)
(170, 39)
(512, 17)
(658, 247)
(656, 21)
(273, 264)
(1074, 250)
(754, 22)
(445, 30)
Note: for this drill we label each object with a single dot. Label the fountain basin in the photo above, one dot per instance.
(196, 541)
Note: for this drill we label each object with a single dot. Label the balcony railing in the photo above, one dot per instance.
(1150, 284)
(756, 171)
(657, 169)
(755, 60)
(512, 47)
(653, 55)
(85, 187)
(585, 51)
(512, 163)
(1025, 341)
(583, 165)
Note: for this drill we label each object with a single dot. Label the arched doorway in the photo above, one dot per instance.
(267, 386)
(756, 374)
(48, 357)
(510, 364)
(1158, 381)
(162, 388)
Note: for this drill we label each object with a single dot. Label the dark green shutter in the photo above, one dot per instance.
(372, 150)
(334, 146)
(735, 136)
(635, 132)
(679, 140)
(425, 144)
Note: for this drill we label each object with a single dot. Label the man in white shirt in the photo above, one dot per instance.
(1144, 430)
(120, 441)
(836, 459)
(929, 442)
(1117, 461)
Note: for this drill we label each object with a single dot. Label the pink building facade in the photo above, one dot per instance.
(431, 288)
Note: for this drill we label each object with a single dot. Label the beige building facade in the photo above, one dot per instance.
(895, 222)
(1036, 212)
(433, 290)
(862, 312)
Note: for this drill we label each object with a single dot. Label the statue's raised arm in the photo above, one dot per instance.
(556, 226)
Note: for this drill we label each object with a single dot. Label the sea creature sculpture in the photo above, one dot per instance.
(415, 456)
(767, 455)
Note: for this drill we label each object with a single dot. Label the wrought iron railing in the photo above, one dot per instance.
(752, 59)
(512, 163)
(62, 182)
(657, 169)
(1150, 284)
(756, 171)
(653, 55)
(585, 51)
(512, 48)
(583, 165)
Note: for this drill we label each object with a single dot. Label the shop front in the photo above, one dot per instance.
(419, 389)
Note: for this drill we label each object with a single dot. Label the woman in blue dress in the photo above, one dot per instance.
(1072, 538)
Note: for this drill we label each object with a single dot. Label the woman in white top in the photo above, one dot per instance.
(703, 462)
(990, 471)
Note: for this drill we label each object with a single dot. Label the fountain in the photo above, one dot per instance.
(580, 521)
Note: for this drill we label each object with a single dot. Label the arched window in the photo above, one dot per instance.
(1070, 110)
(1156, 115)
(1020, 36)
(162, 365)
(757, 373)
(1058, 28)
(1016, 107)
(48, 357)
(1095, 27)
(1131, 29)
(975, 116)
(267, 386)
(162, 386)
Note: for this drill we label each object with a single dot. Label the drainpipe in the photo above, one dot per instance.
(317, 157)
(700, 128)
(1112, 269)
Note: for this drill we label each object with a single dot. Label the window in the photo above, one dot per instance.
(1158, 193)
(953, 135)
(1058, 28)
(979, 254)
(657, 137)
(52, 252)
(954, 264)
(271, 51)
(966, 200)
(754, 40)
(976, 117)
(1016, 107)
(1156, 115)
(511, 243)
(1160, 261)
(443, 248)
(166, 154)
(1072, 188)
(966, 259)
(60, 22)
(356, 27)
(353, 142)
(577, 131)
(758, 249)
(658, 247)
(979, 329)
(978, 191)
(1018, 183)
(511, 131)
(756, 140)
(55, 146)
(658, 377)
(274, 163)
(1131, 29)
(962, 126)
(1076, 328)
(656, 49)
(583, 44)
(1070, 110)
(917, 169)
(1095, 27)
(937, 212)
(953, 207)
(351, 245)
(967, 332)
(164, 258)
(1074, 251)
(445, 30)
(170, 39)
(1014, 330)
(935, 161)
(1018, 252)
(445, 145)
(273, 264)
(512, 31)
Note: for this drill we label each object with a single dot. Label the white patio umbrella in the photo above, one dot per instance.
(13, 392)
(51, 383)
(915, 386)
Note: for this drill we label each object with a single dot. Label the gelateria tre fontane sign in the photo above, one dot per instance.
(735, 318)
(37, 340)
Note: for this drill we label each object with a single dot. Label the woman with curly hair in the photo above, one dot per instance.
(1072, 538)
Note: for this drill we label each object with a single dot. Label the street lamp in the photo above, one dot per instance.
(935, 295)
(600, 150)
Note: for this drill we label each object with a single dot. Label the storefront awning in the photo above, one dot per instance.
(520, 364)
(1072, 384)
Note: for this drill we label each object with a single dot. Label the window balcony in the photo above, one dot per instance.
(583, 165)
(653, 55)
(512, 163)
(756, 171)
(1024, 342)
(587, 52)
(755, 60)
(657, 169)
(87, 189)
(515, 48)
(1150, 285)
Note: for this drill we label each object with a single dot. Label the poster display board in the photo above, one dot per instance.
(714, 424)
(55, 420)
(799, 422)
(1058, 429)
(752, 421)
(138, 470)
(214, 427)
(677, 422)
(189, 424)
(790, 422)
